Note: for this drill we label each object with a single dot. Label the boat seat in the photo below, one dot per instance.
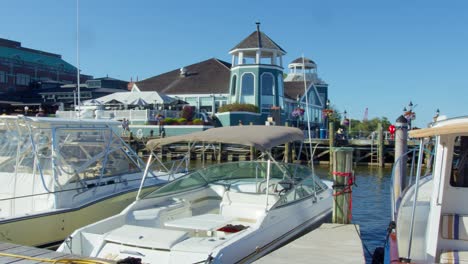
(455, 226)
(146, 237)
(245, 206)
(454, 256)
(154, 217)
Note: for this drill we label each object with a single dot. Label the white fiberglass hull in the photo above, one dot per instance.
(276, 228)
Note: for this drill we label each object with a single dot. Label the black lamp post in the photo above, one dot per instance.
(327, 106)
(436, 115)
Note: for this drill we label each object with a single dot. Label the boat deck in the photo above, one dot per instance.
(330, 243)
(11, 253)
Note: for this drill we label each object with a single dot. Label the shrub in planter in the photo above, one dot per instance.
(181, 121)
(170, 121)
(238, 108)
(197, 121)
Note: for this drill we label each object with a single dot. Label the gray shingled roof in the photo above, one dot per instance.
(206, 77)
(256, 40)
(306, 60)
(294, 89)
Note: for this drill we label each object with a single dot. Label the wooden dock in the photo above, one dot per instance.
(11, 253)
(330, 243)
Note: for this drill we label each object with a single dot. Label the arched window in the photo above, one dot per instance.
(233, 85)
(268, 90)
(247, 95)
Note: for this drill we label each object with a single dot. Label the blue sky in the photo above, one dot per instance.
(374, 54)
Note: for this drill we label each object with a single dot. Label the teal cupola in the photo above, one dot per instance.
(257, 72)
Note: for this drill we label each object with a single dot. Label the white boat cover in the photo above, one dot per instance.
(259, 137)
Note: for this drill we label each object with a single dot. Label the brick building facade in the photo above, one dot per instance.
(20, 67)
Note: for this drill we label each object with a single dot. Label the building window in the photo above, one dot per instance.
(233, 85)
(2, 77)
(247, 95)
(94, 84)
(22, 79)
(268, 90)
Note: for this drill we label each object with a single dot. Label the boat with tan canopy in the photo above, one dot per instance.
(225, 213)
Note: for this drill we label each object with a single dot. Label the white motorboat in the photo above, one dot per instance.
(430, 219)
(225, 213)
(57, 175)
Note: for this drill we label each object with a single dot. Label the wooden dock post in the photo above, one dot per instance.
(251, 153)
(342, 184)
(220, 151)
(331, 143)
(203, 154)
(401, 159)
(380, 145)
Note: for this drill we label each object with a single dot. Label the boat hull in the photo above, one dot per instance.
(275, 232)
(51, 228)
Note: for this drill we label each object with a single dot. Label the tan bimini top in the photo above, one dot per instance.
(259, 137)
(446, 129)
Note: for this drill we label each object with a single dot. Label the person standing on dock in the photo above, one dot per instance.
(125, 127)
(160, 120)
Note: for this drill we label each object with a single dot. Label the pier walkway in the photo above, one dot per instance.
(11, 253)
(330, 243)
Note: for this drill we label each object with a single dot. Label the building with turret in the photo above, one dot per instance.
(314, 101)
(257, 73)
(254, 76)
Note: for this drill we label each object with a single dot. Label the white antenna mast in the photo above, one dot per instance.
(78, 56)
(308, 120)
(307, 103)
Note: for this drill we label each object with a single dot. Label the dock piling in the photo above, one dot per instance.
(331, 142)
(342, 184)
(380, 145)
(401, 159)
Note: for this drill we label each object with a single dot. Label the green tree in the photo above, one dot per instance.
(365, 128)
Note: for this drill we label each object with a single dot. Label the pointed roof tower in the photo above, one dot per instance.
(258, 40)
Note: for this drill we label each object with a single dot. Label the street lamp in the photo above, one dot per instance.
(26, 109)
(436, 115)
(409, 114)
(326, 114)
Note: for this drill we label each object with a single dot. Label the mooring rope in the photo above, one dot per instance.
(345, 189)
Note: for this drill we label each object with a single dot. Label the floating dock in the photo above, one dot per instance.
(330, 243)
(11, 253)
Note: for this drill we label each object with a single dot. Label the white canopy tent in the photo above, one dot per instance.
(128, 98)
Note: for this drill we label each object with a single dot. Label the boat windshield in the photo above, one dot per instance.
(62, 153)
(230, 173)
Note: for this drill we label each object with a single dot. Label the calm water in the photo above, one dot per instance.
(371, 203)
